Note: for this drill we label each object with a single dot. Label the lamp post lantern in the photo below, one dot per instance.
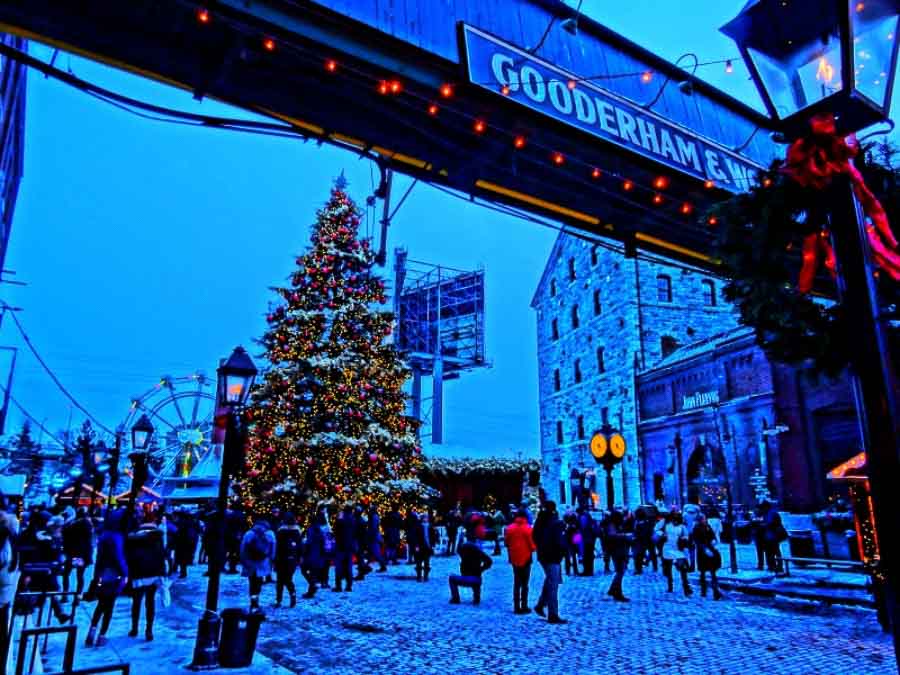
(839, 57)
(820, 56)
(235, 379)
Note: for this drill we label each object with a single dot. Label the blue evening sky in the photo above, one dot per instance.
(148, 248)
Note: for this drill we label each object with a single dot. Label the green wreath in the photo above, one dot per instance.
(759, 243)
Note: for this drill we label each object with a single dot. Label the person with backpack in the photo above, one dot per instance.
(314, 557)
(257, 552)
(288, 544)
(145, 554)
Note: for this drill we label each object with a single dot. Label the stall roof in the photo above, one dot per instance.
(853, 469)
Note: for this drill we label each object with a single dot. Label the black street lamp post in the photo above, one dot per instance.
(235, 378)
(141, 433)
(840, 56)
(732, 541)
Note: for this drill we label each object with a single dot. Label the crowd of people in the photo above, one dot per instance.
(134, 553)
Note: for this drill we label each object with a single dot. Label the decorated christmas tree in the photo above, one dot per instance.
(327, 422)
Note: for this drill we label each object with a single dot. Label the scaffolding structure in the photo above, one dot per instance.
(440, 327)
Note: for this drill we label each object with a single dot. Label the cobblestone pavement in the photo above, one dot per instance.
(392, 624)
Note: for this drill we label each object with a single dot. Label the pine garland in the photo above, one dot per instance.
(759, 241)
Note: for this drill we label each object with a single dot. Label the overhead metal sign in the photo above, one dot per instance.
(500, 67)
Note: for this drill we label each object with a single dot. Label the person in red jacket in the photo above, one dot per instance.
(520, 546)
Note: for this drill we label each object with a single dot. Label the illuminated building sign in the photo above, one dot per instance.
(508, 71)
(699, 400)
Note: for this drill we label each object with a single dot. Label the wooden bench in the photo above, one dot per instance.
(848, 565)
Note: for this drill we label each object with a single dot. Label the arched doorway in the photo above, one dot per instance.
(705, 475)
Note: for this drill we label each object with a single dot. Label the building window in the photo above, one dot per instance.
(553, 288)
(664, 288)
(593, 255)
(709, 293)
(571, 269)
(575, 321)
(601, 366)
(668, 344)
(556, 382)
(598, 307)
(554, 329)
(577, 371)
(559, 434)
(580, 423)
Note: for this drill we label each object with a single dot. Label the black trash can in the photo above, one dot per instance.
(240, 629)
(802, 544)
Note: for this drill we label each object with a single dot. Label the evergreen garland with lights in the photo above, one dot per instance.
(327, 422)
(759, 244)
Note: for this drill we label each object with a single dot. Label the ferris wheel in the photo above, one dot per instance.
(181, 409)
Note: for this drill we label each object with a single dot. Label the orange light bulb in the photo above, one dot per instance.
(446, 90)
(628, 186)
(595, 173)
(479, 126)
(558, 158)
(203, 15)
(519, 142)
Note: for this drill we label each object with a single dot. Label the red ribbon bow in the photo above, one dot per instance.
(813, 161)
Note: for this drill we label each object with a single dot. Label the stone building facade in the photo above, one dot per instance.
(602, 318)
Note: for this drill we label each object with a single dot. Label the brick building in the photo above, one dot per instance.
(602, 318)
(719, 408)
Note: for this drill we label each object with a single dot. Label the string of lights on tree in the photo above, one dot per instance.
(439, 104)
(327, 423)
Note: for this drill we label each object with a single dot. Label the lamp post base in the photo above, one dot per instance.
(206, 649)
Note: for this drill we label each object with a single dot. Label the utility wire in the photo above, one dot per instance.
(33, 419)
(54, 377)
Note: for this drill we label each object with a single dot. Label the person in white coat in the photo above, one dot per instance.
(675, 543)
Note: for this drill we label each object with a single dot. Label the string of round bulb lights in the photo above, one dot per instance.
(480, 126)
